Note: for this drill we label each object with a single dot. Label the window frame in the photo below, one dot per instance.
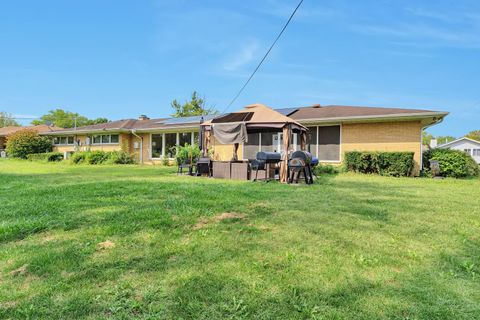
(100, 136)
(177, 142)
(66, 143)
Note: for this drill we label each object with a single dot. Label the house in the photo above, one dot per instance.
(333, 130)
(470, 146)
(5, 131)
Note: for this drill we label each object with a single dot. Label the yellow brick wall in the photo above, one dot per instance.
(386, 136)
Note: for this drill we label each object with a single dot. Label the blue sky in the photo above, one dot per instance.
(118, 59)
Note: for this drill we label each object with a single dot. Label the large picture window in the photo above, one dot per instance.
(170, 143)
(184, 138)
(63, 140)
(329, 143)
(157, 141)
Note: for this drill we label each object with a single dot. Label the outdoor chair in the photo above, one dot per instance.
(185, 165)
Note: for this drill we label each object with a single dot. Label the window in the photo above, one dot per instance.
(106, 139)
(170, 143)
(469, 151)
(157, 140)
(476, 152)
(329, 143)
(63, 140)
(185, 137)
(195, 138)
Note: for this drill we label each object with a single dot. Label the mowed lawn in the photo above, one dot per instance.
(100, 242)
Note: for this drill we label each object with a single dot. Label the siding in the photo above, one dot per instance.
(386, 136)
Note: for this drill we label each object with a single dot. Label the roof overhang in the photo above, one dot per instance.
(427, 118)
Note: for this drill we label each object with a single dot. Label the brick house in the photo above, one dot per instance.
(333, 130)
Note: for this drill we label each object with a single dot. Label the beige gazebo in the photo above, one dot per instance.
(232, 129)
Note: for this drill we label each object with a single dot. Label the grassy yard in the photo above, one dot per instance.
(140, 242)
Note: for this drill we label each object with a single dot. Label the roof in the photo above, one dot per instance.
(337, 112)
(458, 140)
(42, 128)
(126, 125)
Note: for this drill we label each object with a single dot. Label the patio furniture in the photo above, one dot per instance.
(204, 166)
(184, 165)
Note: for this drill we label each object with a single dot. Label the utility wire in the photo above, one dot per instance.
(264, 57)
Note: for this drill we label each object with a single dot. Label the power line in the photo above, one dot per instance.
(264, 57)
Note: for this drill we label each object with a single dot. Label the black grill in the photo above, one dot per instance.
(204, 166)
(301, 162)
(263, 162)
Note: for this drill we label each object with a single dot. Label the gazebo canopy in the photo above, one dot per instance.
(255, 117)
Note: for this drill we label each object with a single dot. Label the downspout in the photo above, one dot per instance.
(421, 140)
(141, 145)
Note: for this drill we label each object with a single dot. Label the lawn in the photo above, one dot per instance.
(140, 242)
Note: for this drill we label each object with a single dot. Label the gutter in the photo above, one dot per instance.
(141, 144)
(376, 117)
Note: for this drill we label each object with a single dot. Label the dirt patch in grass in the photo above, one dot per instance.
(105, 245)
(22, 271)
(221, 217)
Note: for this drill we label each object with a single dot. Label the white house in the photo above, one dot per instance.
(468, 145)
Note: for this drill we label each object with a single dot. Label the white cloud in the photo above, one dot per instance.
(243, 57)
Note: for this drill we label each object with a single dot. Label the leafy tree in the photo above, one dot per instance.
(7, 120)
(475, 135)
(66, 119)
(27, 141)
(444, 139)
(426, 138)
(195, 107)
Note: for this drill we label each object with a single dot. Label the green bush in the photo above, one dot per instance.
(27, 141)
(101, 157)
(120, 157)
(453, 163)
(96, 157)
(187, 153)
(384, 163)
(46, 156)
(326, 169)
(78, 157)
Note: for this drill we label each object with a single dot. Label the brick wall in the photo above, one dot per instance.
(386, 136)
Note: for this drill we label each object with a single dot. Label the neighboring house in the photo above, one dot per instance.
(333, 130)
(5, 131)
(470, 146)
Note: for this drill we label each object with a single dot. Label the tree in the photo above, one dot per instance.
(6, 120)
(66, 119)
(27, 141)
(444, 139)
(195, 107)
(475, 135)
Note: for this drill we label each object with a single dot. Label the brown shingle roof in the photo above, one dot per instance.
(43, 128)
(348, 112)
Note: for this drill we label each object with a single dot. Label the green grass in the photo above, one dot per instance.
(99, 242)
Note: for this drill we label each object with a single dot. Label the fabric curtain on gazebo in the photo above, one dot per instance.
(287, 133)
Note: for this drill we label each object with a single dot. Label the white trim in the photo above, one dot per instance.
(374, 117)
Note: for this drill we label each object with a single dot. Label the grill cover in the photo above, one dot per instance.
(269, 157)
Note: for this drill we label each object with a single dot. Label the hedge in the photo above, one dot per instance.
(453, 163)
(27, 141)
(46, 156)
(101, 157)
(395, 164)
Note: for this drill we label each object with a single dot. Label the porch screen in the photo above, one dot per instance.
(329, 143)
(312, 140)
(251, 147)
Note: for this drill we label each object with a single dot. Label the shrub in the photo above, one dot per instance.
(453, 163)
(326, 169)
(78, 157)
(27, 141)
(46, 156)
(188, 152)
(96, 157)
(120, 157)
(384, 163)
